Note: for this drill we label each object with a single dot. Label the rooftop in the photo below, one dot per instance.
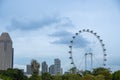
(5, 36)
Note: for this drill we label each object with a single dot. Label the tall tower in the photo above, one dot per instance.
(57, 66)
(52, 69)
(6, 52)
(29, 69)
(44, 67)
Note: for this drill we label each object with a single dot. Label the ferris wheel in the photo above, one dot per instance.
(74, 61)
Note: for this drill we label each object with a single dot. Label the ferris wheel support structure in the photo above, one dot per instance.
(100, 41)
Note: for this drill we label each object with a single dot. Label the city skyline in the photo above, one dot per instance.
(53, 69)
(42, 30)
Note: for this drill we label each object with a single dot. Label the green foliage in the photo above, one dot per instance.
(88, 77)
(12, 74)
(92, 77)
(103, 71)
(35, 77)
(86, 72)
(35, 67)
(71, 77)
(99, 77)
(116, 75)
(46, 76)
(5, 77)
(57, 77)
(96, 74)
(35, 70)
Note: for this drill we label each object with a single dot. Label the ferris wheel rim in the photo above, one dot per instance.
(99, 39)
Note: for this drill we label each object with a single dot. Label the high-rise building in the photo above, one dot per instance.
(61, 70)
(6, 52)
(29, 70)
(44, 67)
(57, 66)
(52, 69)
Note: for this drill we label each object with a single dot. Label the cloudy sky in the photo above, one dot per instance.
(42, 29)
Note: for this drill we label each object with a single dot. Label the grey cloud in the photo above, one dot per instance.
(65, 22)
(79, 41)
(33, 25)
(65, 38)
(58, 22)
(61, 34)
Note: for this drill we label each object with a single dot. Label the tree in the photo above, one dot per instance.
(116, 75)
(35, 67)
(12, 74)
(35, 77)
(4, 77)
(86, 72)
(35, 70)
(99, 77)
(103, 71)
(88, 77)
(57, 77)
(71, 77)
(46, 76)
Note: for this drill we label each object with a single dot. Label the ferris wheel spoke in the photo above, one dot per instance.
(96, 36)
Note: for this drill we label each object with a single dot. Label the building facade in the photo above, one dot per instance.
(6, 52)
(57, 66)
(29, 70)
(44, 67)
(52, 69)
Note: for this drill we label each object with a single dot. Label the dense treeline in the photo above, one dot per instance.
(96, 74)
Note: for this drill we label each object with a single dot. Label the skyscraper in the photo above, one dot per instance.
(29, 70)
(44, 67)
(6, 52)
(57, 66)
(52, 69)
